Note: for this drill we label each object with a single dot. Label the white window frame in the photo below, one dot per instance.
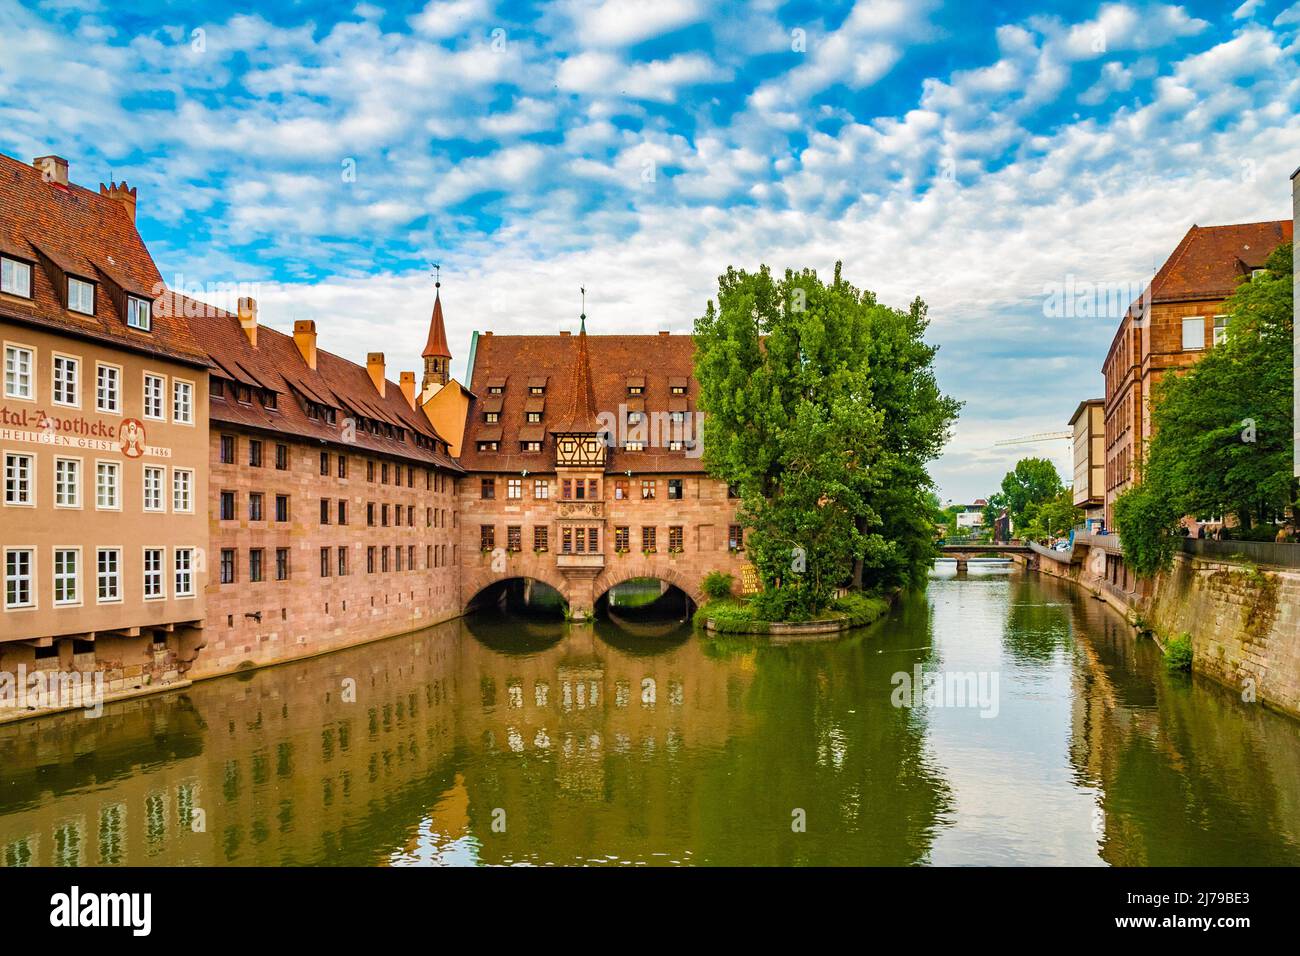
(1221, 331)
(115, 467)
(60, 500)
(185, 573)
(30, 500)
(185, 506)
(134, 304)
(78, 284)
(158, 573)
(64, 578)
(541, 489)
(179, 385)
(59, 382)
(162, 396)
(113, 577)
(1198, 322)
(30, 578)
(27, 394)
(14, 265)
(115, 406)
(159, 504)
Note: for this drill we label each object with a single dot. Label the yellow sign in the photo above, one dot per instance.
(749, 582)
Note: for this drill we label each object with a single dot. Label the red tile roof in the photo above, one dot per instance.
(1211, 261)
(515, 360)
(580, 415)
(436, 346)
(71, 230)
(277, 365)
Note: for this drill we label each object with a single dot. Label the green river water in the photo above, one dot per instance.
(496, 740)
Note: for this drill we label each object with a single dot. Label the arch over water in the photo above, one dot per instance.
(517, 593)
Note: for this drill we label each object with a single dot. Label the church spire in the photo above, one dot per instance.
(437, 354)
(581, 418)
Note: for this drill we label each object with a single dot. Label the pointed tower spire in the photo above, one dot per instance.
(437, 354)
(581, 418)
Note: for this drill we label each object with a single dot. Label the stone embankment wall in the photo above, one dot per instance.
(1244, 620)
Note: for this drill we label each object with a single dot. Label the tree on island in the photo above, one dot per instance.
(1222, 439)
(822, 413)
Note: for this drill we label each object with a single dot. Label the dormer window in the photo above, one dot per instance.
(534, 418)
(491, 417)
(536, 390)
(530, 446)
(495, 389)
(139, 313)
(679, 390)
(636, 389)
(81, 296)
(634, 418)
(487, 446)
(15, 277)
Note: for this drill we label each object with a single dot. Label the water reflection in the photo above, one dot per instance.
(490, 741)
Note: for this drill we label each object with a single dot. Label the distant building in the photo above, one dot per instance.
(972, 515)
(1089, 425)
(1170, 327)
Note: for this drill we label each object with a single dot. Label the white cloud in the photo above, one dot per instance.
(617, 23)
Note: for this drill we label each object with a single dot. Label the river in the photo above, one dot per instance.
(495, 740)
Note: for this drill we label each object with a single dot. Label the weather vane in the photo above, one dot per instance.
(437, 275)
(583, 290)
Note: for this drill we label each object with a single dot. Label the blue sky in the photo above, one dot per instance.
(322, 156)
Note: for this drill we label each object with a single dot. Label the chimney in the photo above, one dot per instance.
(375, 366)
(122, 193)
(53, 169)
(248, 319)
(304, 336)
(408, 387)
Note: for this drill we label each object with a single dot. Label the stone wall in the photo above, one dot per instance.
(1244, 621)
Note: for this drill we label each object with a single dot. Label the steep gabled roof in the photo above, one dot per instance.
(511, 361)
(72, 230)
(277, 365)
(580, 415)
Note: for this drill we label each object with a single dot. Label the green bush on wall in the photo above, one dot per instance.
(717, 585)
(1178, 654)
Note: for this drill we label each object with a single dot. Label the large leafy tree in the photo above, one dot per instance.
(1030, 484)
(798, 406)
(1222, 430)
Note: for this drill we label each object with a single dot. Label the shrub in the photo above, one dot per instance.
(861, 608)
(1178, 654)
(717, 585)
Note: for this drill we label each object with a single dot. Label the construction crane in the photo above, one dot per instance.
(1036, 437)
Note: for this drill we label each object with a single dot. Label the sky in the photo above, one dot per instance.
(984, 157)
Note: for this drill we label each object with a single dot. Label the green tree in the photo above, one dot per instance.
(1052, 518)
(797, 405)
(1031, 483)
(1222, 430)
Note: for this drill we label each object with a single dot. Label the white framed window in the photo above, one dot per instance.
(20, 566)
(108, 492)
(67, 380)
(67, 482)
(66, 568)
(108, 575)
(183, 490)
(153, 488)
(183, 563)
(139, 313)
(20, 476)
(541, 488)
(108, 389)
(1193, 333)
(18, 372)
(1220, 329)
(182, 402)
(15, 277)
(81, 296)
(153, 574)
(154, 387)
